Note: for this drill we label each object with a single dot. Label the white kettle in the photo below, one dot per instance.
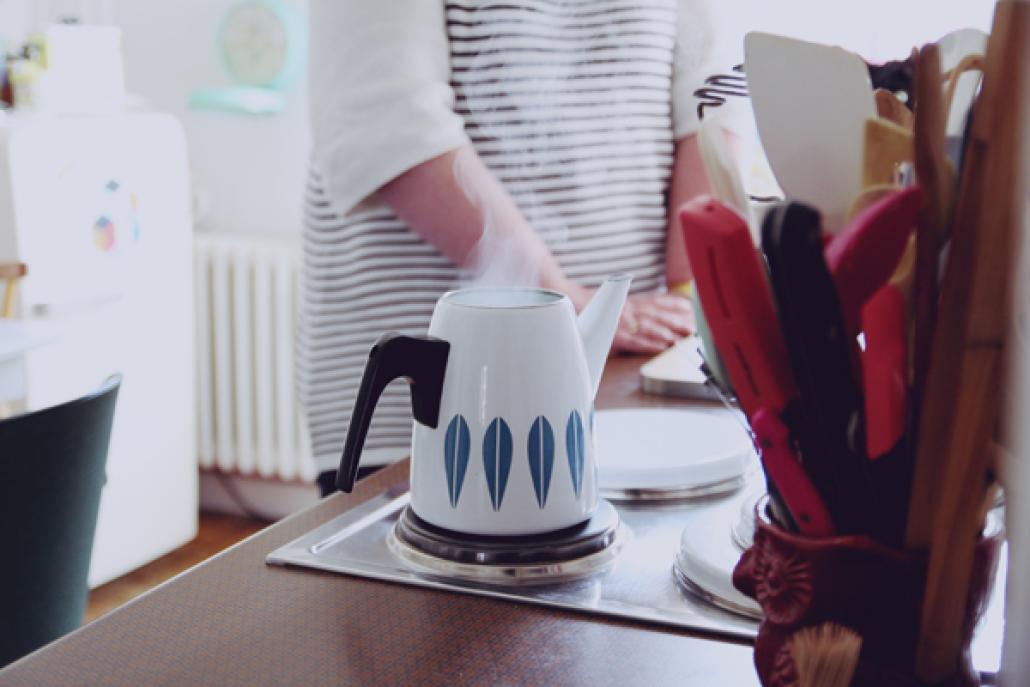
(502, 391)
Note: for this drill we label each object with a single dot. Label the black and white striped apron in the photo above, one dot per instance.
(568, 102)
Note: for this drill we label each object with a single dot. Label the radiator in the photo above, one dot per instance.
(247, 296)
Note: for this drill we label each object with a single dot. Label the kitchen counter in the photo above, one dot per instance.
(233, 620)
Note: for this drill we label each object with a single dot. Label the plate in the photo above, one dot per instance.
(650, 454)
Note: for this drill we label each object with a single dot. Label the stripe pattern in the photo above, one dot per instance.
(568, 102)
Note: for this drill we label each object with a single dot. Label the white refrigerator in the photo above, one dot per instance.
(98, 207)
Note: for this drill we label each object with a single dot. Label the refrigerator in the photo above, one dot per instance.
(98, 208)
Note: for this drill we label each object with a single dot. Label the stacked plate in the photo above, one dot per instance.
(648, 455)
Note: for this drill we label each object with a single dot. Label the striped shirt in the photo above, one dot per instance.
(569, 104)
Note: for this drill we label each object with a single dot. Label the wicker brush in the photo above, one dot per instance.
(825, 655)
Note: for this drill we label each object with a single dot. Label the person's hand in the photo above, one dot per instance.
(652, 322)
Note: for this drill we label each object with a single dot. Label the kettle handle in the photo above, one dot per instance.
(422, 361)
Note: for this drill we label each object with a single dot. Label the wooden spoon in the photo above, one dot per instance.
(892, 109)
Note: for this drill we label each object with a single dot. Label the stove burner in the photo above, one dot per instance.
(571, 553)
(709, 549)
(689, 586)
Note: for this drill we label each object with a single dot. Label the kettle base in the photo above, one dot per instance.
(570, 553)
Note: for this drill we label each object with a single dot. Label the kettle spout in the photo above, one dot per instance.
(598, 322)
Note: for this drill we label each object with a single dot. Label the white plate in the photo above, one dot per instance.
(664, 449)
(811, 102)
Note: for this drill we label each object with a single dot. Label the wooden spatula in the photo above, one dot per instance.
(887, 145)
(969, 349)
(893, 110)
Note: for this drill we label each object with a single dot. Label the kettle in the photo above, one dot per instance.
(502, 391)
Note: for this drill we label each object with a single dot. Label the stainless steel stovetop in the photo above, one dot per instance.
(639, 585)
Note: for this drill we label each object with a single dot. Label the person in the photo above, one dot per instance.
(529, 142)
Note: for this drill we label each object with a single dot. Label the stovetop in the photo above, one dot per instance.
(640, 585)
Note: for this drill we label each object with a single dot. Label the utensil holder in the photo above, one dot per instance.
(859, 583)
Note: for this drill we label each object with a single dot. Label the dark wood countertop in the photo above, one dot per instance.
(232, 620)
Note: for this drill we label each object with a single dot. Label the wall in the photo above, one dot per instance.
(877, 29)
(248, 171)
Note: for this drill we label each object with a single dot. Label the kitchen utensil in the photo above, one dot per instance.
(825, 655)
(734, 293)
(10, 273)
(502, 392)
(969, 351)
(895, 77)
(867, 251)
(868, 197)
(796, 489)
(811, 102)
(887, 145)
(889, 107)
(903, 278)
(712, 365)
(953, 48)
(718, 88)
(953, 78)
(936, 178)
(663, 454)
(723, 173)
(732, 286)
(885, 370)
(820, 353)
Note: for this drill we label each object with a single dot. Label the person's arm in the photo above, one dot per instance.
(384, 125)
(702, 49)
(455, 203)
(688, 181)
(379, 93)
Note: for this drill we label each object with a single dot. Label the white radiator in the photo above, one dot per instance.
(247, 297)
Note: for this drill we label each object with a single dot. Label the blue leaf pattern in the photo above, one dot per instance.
(456, 449)
(575, 450)
(497, 451)
(540, 449)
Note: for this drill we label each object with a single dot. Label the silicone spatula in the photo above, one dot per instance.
(738, 305)
(865, 253)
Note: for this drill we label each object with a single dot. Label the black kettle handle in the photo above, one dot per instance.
(422, 360)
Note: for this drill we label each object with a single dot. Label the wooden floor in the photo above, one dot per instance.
(216, 532)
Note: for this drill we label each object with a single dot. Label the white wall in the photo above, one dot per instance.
(248, 171)
(877, 29)
(13, 20)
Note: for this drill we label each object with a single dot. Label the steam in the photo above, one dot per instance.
(500, 257)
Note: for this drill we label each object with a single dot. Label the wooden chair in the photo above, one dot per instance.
(10, 273)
